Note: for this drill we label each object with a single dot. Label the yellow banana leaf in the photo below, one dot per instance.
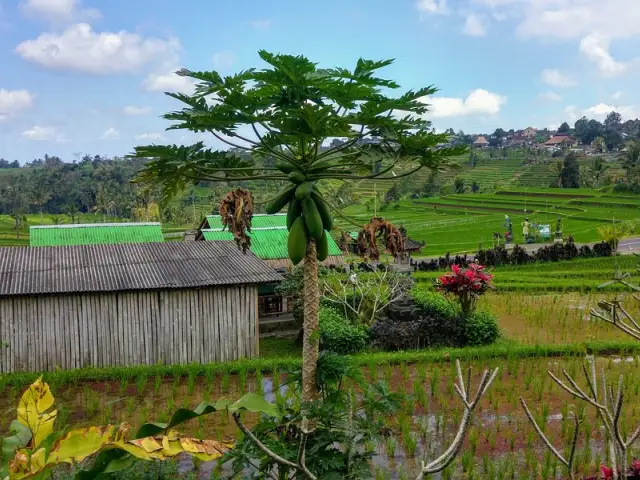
(35, 411)
(77, 445)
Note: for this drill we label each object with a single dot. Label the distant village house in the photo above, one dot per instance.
(481, 142)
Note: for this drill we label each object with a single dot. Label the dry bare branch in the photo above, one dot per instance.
(568, 463)
(300, 466)
(470, 405)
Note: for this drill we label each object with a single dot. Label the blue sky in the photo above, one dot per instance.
(82, 76)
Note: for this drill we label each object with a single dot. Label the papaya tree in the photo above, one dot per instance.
(294, 122)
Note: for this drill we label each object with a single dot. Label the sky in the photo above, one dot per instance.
(87, 77)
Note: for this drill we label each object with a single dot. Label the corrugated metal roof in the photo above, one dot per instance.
(267, 244)
(95, 234)
(126, 267)
(258, 221)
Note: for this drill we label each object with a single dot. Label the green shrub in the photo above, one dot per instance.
(434, 303)
(338, 335)
(481, 328)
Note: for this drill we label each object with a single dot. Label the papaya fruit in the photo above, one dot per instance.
(312, 218)
(297, 177)
(294, 211)
(286, 167)
(280, 200)
(297, 241)
(304, 190)
(322, 248)
(323, 210)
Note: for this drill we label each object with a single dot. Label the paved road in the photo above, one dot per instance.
(627, 246)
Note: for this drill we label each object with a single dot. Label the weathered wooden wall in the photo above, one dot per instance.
(128, 328)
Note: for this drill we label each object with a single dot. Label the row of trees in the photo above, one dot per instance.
(569, 174)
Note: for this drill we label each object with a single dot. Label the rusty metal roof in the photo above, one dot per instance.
(127, 267)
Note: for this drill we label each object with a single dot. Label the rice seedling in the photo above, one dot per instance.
(391, 445)
(141, 382)
(191, 384)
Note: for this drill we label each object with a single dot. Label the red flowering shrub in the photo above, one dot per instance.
(467, 284)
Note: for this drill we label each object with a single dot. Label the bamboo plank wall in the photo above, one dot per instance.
(128, 328)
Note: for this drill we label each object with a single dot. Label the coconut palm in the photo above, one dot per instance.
(288, 111)
(557, 168)
(631, 156)
(599, 145)
(598, 169)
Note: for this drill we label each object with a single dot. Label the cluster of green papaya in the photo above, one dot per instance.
(308, 215)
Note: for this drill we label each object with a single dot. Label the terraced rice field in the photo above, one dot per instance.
(463, 223)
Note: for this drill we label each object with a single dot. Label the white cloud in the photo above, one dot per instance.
(39, 133)
(556, 78)
(577, 18)
(223, 60)
(432, 6)
(261, 24)
(110, 134)
(133, 110)
(494, 3)
(151, 136)
(479, 102)
(596, 48)
(617, 95)
(550, 97)
(57, 11)
(169, 82)
(601, 110)
(13, 101)
(474, 26)
(80, 48)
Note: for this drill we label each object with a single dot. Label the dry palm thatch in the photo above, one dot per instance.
(390, 235)
(236, 212)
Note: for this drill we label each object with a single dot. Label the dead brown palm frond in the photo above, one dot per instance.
(236, 212)
(379, 228)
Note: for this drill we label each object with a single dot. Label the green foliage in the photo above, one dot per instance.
(570, 172)
(481, 328)
(340, 336)
(297, 106)
(340, 446)
(433, 303)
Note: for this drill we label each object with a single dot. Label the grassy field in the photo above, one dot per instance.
(465, 222)
(542, 331)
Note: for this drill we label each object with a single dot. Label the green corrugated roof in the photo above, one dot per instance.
(268, 244)
(95, 234)
(258, 221)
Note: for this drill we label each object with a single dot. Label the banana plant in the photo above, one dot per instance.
(295, 123)
(34, 448)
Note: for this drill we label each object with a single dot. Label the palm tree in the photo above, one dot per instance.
(598, 169)
(557, 168)
(630, 158)
(599, 145)
(291, 109)
(72, 210)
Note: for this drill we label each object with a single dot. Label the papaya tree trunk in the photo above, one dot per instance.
(311, 335)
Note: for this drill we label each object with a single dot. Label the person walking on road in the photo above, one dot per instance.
(525, 229)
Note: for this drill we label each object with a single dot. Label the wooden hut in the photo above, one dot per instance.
(269, 236)
(128, 304)
(95, 234)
